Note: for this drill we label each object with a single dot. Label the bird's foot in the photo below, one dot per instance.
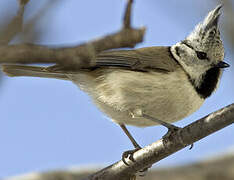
(129, 155)
(171, 130)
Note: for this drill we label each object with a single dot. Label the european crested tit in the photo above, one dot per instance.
(153, 85)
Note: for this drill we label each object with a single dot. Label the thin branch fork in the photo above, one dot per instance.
(77, 57)
(14, 26)
(162, 148)
(127, 16)
(80, 56)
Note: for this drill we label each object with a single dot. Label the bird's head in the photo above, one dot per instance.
(203, 49)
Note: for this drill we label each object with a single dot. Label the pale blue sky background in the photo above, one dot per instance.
(47, 124)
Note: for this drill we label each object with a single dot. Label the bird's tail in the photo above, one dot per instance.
(33, 71)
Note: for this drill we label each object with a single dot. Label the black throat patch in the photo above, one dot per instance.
(209, 82)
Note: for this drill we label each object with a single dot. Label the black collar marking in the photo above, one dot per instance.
(185, 42)
(172, 56)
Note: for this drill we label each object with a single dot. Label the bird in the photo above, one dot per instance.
(148, 86)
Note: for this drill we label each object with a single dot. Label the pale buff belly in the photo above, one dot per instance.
(120, 93)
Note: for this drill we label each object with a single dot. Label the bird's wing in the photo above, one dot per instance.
(143, 59)
(33, 71)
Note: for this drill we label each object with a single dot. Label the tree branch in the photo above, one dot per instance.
(162, 148)
(15, 26)
(30, 32)
(208, 168)
(229, 24)
(77, 57)
(127, 16)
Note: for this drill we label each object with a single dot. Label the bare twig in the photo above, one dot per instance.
(229, 23)
(127, 15)
(77, 57)
(29, 32)
(167, 146)
(80, 56)
(23, 2)
(15, 26)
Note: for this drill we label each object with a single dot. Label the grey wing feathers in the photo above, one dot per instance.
(122, 58)
(143, 59)
(33, 71)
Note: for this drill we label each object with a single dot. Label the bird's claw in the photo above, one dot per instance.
(129, 154)
(171, 131)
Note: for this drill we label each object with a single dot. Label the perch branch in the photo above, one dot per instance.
(162, 148)
(211, 165)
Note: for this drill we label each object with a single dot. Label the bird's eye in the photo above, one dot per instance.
(201, 55)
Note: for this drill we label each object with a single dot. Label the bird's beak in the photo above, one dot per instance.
(222, 64)
(212, 18)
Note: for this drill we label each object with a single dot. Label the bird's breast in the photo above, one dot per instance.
(119, 93)
(166, 96)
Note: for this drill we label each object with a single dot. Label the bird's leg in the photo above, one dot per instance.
(129, 153)
(171, 128)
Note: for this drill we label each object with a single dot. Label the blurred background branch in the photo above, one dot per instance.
(218, 167)
(30, 33)
(25, 32)
(76, 57)
(229, 22)
(9, 31)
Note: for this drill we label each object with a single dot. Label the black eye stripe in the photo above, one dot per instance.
(177, 51)
(186, 44)
(201, 55)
